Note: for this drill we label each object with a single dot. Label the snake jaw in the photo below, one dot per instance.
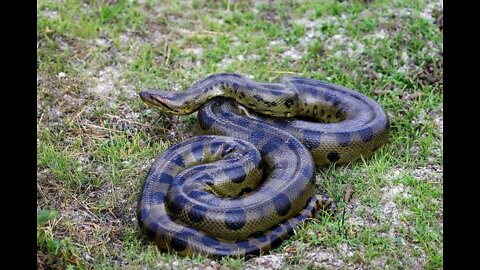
(157, 101)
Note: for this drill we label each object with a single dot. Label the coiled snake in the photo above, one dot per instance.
(246, 189)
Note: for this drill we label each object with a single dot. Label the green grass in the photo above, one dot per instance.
(97, 140)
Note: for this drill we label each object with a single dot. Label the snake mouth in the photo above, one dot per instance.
(157, 101)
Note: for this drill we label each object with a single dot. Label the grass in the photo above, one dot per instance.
(96, 139)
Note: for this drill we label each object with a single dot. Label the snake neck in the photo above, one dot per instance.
(274, 99)
(179, 103)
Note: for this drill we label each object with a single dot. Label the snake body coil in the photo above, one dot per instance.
(247, 190)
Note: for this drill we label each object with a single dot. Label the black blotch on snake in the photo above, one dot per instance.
(197, 213)
(333, 156)
(282, 204)
(235, 219)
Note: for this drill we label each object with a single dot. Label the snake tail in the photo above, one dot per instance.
(180, 210)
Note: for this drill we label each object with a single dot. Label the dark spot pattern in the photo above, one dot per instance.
(197, 213)
(177, 204)
(165, 178)
(235, 219)
(288, 228)
(275, 241)
(366, 134)
(258, 98)
(196, 194)
(197, 151)
(256, 234)
(244, 122)
(313, 91)
(303, 215)
(142, 215)
(179, 180)
(282, 204)
(235, 174)
(178, 160)
(245, 244)
(272, 145)
(177, 243)
(309, 203)
(333, 156)
(214, 200)
(277, 92)
(313, 137)
(343, 138)
(328, 96)
(158, 197)
(254, 251)
(276, 229)
(261, 237)
(214, 147)
(256, 136)
(336, 101)
(325, 198)
(210, 241)
(289, 102)
(293, 145)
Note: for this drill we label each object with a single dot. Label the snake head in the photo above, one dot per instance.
(163, 101)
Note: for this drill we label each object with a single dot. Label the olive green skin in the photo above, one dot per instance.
(247, 188)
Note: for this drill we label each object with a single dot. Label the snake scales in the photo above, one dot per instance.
(246, 189)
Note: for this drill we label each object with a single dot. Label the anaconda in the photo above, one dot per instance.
(246, 188)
